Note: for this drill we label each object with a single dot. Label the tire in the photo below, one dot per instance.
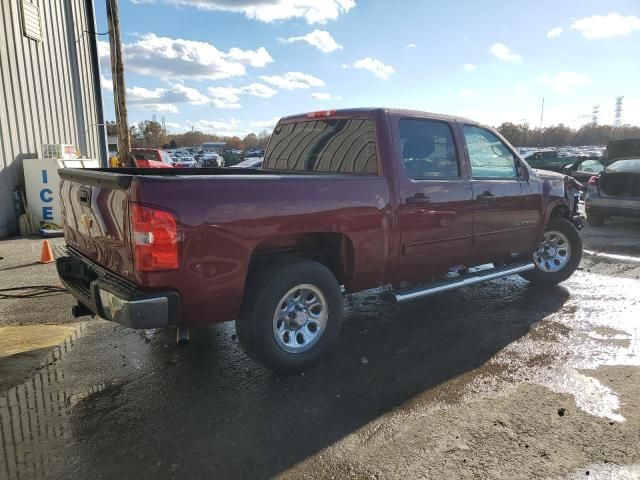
(265, 326)
(595, 220)
(545, 272)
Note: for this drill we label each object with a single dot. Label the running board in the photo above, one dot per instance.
(450, 284)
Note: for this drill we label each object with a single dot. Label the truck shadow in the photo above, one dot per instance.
(212, 412)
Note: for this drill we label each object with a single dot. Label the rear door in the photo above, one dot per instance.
(506, 207)
(436, 208)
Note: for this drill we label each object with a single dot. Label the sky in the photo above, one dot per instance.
(232, 67)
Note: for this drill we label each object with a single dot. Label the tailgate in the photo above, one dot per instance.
(95, 216)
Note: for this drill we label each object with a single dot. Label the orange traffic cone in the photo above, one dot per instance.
(47, 254)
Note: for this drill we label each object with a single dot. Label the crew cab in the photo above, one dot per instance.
(346, 201)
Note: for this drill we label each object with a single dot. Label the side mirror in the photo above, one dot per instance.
(523, 173)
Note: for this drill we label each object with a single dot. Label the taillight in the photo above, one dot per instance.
(321, 114)
(155, 239)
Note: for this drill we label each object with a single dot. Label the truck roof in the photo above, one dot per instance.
(392, 112)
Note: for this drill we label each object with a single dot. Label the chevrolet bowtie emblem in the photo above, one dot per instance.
(87, 221)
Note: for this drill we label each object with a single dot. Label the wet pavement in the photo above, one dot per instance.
(498, 380)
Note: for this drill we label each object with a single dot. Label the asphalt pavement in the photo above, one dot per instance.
(497, 380)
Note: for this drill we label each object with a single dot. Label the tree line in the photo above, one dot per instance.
(522, 135)
(150, 134)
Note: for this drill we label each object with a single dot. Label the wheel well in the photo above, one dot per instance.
(333, 250)
(560, 211)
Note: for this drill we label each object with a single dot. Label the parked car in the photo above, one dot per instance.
(583, 169)
(351, 199)
(151, 158)
(212, 160)
(547, 160)
(615, 191)
(252, 162)
(184, 161)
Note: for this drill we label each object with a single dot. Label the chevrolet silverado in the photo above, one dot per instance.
(346, 201)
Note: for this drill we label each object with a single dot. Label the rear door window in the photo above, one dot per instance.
(427, 149)
(327, 145)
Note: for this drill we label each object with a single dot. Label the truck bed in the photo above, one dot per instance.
(224, 217)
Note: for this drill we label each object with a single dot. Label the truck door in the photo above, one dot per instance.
(507, 210)
(435, 216)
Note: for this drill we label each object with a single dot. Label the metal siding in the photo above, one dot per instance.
(39, 100)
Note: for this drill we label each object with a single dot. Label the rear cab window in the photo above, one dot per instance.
(145, 155)
(324, 145)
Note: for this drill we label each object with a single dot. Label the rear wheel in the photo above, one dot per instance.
(558, 254)
(595, 220)
(291, 315)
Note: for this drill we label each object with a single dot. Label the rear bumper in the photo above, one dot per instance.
(629, 208)
(113, 298)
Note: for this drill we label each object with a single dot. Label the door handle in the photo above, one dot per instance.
(418, 199)
(486, 196)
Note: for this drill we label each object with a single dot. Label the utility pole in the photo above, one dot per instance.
(119, 90)
(540, 130)
(595, 112)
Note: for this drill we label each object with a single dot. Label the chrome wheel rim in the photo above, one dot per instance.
(300, 318)
(554, 252)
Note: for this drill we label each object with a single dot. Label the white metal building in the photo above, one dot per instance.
(49, 87)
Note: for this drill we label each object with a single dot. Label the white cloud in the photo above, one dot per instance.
(610, 25)
(468, 94)
(165, 99)
(411, 45)
(375, 66)
(565, 82)
(504, 53)
(555, 32)
(324, 96)
(230, 126)
(225, 97)
(469, 67)
(293, 80)
(313, 11)
(106, 83)
(258, 90)
(253, 58)
(176, 58)
(228, 97)
(173, 126)
(268, 124)
(320, 39)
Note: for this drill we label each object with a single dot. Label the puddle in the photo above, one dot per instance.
(597, 332)
(33, 414)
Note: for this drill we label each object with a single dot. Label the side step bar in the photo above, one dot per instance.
(450, 284)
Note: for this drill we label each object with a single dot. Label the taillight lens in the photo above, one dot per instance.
(155, 238)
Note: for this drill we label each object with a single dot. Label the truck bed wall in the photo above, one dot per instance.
(224, 219)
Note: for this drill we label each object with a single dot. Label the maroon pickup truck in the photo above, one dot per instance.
(346, 200)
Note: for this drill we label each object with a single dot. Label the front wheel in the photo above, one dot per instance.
(558, 255)
(291, 315)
